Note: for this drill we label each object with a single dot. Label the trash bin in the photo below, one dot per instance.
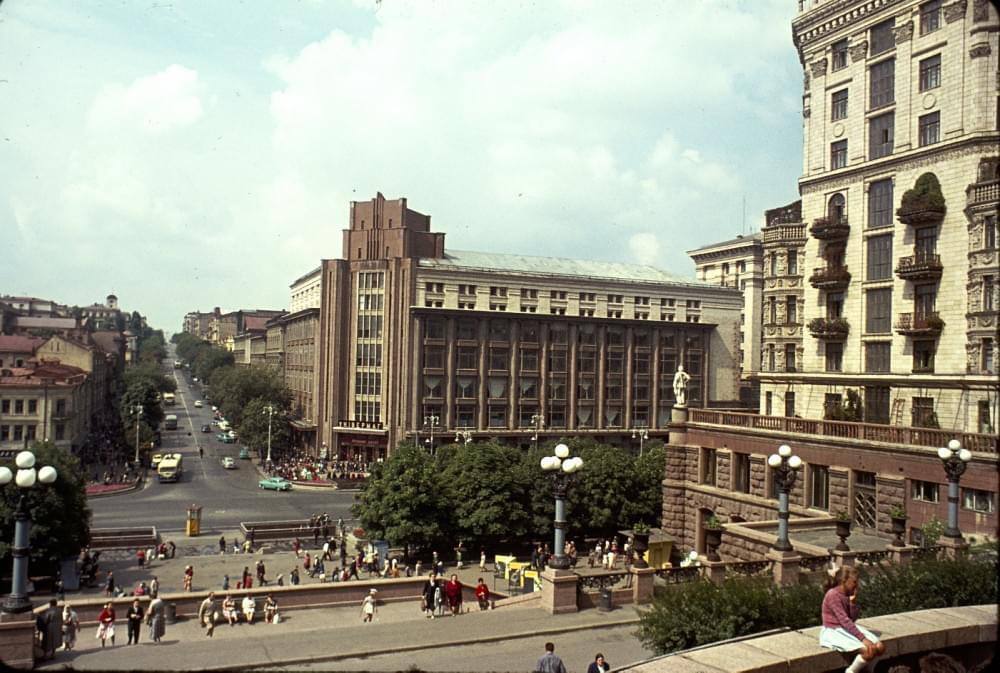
(604, 603)
(171, 613)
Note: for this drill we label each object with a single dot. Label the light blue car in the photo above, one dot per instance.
(275, 484)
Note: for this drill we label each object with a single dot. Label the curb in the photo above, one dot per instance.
(134, 487)
(362, 654)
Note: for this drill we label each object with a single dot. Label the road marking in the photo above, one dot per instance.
(204, 474)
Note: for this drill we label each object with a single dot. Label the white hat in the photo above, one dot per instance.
(373, 591)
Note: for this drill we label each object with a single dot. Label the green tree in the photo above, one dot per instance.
(403, 501)
(232, 389)
(141, 392)
(252, 428)
(150, 372)
(646, 501)
(601, 493)
(60, 517)
(152, 347)
(488, 494)
(207, 360)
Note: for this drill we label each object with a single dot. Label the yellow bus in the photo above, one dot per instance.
(169, 399)
(170, 467)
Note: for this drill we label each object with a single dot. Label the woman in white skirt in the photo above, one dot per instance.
(840, 632)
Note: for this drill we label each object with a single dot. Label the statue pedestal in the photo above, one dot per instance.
(559, 591)
(17, 640)
(678, 425)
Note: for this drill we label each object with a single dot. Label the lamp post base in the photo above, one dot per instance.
(15, 605)
(559, 562)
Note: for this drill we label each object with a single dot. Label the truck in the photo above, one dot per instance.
(170, 422)
(169, 399)
(170, 467)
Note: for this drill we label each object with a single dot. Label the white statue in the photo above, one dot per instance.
(681, 379)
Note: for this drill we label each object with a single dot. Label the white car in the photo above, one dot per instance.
(228, 463)
(198, 404)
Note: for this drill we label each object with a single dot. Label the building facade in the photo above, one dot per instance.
(739, 264)
(899, 185)
(416, 340)
(306, 291)
(45, 401)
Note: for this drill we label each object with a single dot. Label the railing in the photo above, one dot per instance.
(814, 563)
(679, 575)
(983, 192)
(826, 228)
(919, 322)
(829, 328)
(749, 568)
(890, 434)
(872, 558)
(930, 551)
(830, 275)
(920, 261)
(784, 232)
(601, 580)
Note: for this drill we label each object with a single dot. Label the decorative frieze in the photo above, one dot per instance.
(859, 51)
(980, 50)
(904, 32)
(955, 10)
(980, 11)
(818, 68)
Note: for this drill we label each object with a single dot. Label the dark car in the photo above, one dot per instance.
(206, 428)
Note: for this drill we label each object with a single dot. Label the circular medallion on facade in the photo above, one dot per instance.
(838, 130)
(929, 101)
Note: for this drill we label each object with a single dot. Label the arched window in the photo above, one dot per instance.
(835, 208)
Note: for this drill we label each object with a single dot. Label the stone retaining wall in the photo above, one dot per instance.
(123, 538)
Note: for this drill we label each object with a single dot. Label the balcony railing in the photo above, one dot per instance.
(827, 229)
(777, 233)
(890, 434)
(921, 265)
(831, 329)
(919, 324)
(830, 278)
(983, 192)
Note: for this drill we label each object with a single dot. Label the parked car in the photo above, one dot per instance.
(244, 453)
(225, 438)
(155, 460)
(198, 404)
(228, 463)
(206, 428)
(275, 484)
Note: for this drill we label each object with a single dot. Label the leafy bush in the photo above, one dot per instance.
(698, 613)
(925, 197)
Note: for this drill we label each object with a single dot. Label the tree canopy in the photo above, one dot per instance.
(252, 427)
(233, 388)
(60, 517)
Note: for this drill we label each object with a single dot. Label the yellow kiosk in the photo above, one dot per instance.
(193, 521)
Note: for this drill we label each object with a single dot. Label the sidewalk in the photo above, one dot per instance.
(324, 635)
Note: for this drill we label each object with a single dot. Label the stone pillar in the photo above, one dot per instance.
(843, 558)
(954, 548)
(559, 591)
(785, 567)
(902, 555)
(678, 425)
(840, 489)
(713, 571)
(642, 585)
(17, 640)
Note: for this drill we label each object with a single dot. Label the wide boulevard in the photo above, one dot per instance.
(227, 497)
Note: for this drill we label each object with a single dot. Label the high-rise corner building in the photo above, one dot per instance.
(899, 193)
(417, 341)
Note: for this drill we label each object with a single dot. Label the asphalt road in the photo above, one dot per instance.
(227, 497)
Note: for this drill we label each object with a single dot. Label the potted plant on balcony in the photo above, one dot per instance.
(934, 322)
(843, 522)
(923, 203)
(640, 543)
(897, 513)
(713, 538)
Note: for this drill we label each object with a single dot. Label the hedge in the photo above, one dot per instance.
(698, 613)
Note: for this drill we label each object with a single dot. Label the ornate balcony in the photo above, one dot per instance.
(982, 192)
(830, 278)
(921, 265)
(826, 229)
(919, 324)
(829, 329)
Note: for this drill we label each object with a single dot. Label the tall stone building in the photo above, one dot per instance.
(419, 341)
(739, 264)
(900, 191)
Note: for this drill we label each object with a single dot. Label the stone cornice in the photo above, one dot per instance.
(833, 16)
(981, 144)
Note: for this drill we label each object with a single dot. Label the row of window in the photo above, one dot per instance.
(498, 388)
(558, 310)
(882, 85)
(500, 292)
(16, 406)
(881, 38)
(21, 433)
(498, 359)
(496, 416)
(530, 332)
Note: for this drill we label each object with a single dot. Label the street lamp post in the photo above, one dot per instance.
(269, 410)
(785, 467)
(18, 602)
(137, 410)
(562, 468)
(955, 460)
(538, 421)
(432, 421)
(642, 434)
(464, 436)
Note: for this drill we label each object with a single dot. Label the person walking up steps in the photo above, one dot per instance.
(368, 608)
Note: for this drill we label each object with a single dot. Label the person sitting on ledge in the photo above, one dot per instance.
(839, 611)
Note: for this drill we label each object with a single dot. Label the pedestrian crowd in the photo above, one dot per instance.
(309, 468)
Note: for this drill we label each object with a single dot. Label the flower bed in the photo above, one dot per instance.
(105, 489)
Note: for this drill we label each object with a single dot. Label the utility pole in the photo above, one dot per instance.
(138, 416)
(269, 410)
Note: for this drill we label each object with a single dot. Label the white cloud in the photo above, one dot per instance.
(645, 248)
(155, 103)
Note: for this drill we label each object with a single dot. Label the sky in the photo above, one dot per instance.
(190, 154)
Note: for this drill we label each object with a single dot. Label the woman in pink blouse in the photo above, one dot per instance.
(840, 632)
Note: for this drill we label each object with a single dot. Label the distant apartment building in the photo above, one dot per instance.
(306, 291)
(199, 324)
(416, 340)
(45, 401)
(738, 263)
